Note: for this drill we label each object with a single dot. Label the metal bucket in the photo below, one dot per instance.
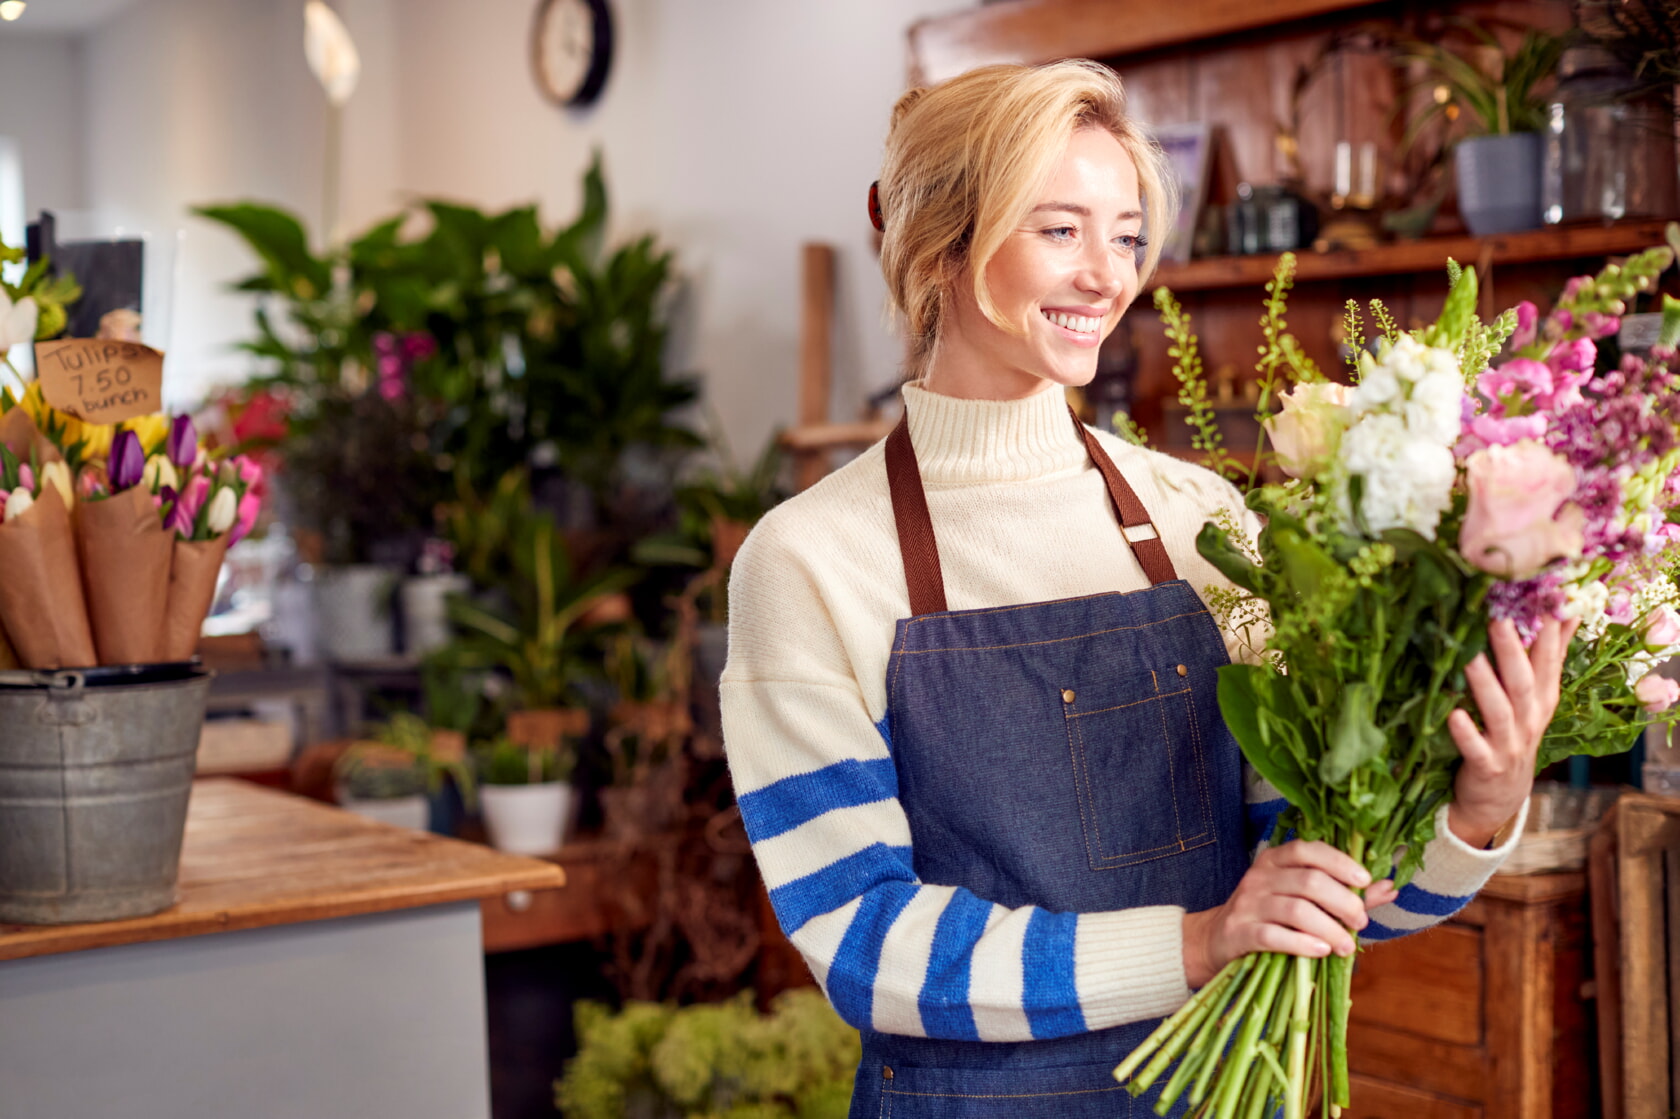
(96, 766)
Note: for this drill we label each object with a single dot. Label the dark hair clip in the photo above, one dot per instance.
(875, 218)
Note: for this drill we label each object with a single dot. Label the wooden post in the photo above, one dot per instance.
(816, 367)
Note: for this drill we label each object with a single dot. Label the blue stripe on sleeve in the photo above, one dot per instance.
(944, 996)
(1262, 817)
(786, 804)
(826, 890)
(1415, 899)
(1051, 997)
(1375, 931)
(851, 977)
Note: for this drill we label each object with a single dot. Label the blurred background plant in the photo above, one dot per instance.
(400, 759)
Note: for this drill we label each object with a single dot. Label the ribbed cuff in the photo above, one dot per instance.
(1129, 965)
(1453, 867)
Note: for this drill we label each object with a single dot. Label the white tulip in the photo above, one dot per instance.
(57, 475)
(18, 504)
(160, 472)
(332, 55)
(17, 321)
(224, 509)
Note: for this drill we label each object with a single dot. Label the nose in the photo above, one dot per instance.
(1102, 271)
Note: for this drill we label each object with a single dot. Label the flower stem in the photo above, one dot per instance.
(1296, 1103)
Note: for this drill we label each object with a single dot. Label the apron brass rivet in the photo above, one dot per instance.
(1067, 695)
(886, 1073)
(1182, 671)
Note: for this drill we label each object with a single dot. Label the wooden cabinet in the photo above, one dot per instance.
(1486, 1016)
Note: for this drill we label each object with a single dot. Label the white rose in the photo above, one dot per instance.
(1305, 432)
(1435, 409)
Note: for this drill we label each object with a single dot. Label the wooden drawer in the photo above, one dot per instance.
(604, 891)
(1429, 985)
(1374, 1099)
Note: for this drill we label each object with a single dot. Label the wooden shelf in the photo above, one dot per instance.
(1031, 31)
(1403, 257)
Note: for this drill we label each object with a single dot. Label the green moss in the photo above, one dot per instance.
(711, 1061)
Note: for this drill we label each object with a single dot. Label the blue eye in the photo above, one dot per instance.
(1135, 242)
(1061, 233)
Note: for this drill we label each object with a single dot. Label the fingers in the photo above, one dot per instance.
(1516, 671)
(1320, 856)
(1495, 705)
(1381, 894)
(1472, 746)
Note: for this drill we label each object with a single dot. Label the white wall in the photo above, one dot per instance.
(41, 92)
(734, 129)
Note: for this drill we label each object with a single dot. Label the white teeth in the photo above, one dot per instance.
(1076, 323)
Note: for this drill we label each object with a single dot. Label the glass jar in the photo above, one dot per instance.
(1609, 151)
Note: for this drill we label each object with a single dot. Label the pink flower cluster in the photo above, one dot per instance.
(1582, 437)
(395, 356)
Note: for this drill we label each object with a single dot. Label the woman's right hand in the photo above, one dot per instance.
(1297, 898)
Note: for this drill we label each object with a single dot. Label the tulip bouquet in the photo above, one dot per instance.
(1435, 494)
(111, 536)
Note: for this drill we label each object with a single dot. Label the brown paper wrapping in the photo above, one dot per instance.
(192, 587)
(8, 658)
(19, 435)
(41, 602)
(125, 556)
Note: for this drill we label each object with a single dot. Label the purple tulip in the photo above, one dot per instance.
(183, 442)
(128, 461)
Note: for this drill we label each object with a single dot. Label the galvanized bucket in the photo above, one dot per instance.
(96, 766)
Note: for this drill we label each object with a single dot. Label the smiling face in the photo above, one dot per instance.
(1062, 278)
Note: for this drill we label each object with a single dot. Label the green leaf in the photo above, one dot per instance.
(1355, 737)
(1458, 312)
(1216, 547)
(278, 238)
(1670, 335)
(1240, 701)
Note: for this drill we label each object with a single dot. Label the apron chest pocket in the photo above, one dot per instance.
(1140, 774)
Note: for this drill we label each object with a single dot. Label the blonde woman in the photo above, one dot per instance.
(970, 700)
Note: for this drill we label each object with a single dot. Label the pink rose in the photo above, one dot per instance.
(1494, 431)
(1656, 693)
(1662, 628)
(1305, 433)
(1517, 522)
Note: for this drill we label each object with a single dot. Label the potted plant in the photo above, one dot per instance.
(525, 795)
(528, 620)
(646, 731)
(390, 776)
(1494, 94)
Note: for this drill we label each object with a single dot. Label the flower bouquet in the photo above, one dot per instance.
(112, 536)
(1434, 495)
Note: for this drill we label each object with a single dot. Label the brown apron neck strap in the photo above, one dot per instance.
(915, 526)
(920, 551)
(1151, 553)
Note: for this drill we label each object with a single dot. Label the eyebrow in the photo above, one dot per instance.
(1082, 211)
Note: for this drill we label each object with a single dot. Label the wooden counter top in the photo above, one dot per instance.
(254, 857)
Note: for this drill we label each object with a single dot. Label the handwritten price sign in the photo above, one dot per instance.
(98, 381)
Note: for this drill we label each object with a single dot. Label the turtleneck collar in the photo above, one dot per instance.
(975, 441)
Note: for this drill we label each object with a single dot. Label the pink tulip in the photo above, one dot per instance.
(184, 516)
(1662, 628)
(1656, 693)
(249, 472)
(26, 477)
(1517, 522)
(249, 506)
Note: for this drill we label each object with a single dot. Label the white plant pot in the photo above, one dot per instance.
(527, 819)
(425, 611)
(353, 611)
(412, 812)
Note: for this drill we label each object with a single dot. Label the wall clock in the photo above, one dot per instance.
(571, 50)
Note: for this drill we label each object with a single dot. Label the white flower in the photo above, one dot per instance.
(331, 53)
(1407, 480)
(17, 321)
(18, 504)
(1435, 409)
(1378, 384)
(160, 472)
(224, 509)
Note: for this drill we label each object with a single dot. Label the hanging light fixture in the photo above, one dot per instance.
(11, 9)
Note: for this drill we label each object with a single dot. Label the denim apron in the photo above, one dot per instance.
(1068, 755)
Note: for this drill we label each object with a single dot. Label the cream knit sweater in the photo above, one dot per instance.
(1021, 515)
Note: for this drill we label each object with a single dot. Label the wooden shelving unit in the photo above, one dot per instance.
(1413, 257)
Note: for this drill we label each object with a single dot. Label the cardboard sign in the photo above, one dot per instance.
(99, 381)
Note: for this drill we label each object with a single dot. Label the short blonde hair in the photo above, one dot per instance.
(965, 162)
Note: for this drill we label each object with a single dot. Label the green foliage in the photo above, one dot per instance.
(504, 762)
(52, 294)
(711, 1060)
(527, 621)
(548, 347)
(1498, 103)
(1130, 430)
(722, 493)
(399, 761)
(1192, 385)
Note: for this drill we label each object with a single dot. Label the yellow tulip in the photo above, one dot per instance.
(57, 475)
(153, 431)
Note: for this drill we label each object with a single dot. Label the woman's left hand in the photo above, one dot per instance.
(1517, 705)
